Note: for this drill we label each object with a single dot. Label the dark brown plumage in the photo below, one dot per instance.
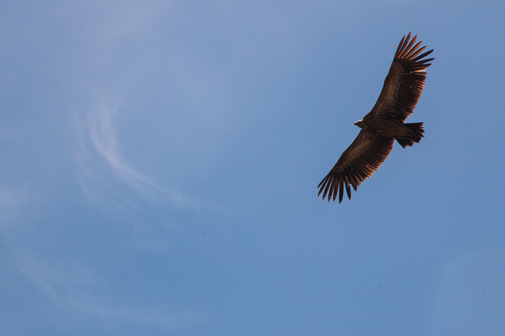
(384, 124)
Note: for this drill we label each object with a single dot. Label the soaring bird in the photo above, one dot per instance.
(384, 124)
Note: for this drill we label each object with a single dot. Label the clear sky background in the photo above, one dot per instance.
(160, 161)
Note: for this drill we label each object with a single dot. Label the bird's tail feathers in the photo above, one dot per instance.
(414, 133)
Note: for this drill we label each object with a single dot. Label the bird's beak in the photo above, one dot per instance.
(359, 123)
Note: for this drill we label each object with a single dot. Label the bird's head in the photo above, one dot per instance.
(361, 124)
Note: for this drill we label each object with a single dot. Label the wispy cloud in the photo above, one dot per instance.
(72, 287)
(471, 290)
(106, 175)
(10, 200)
(116, 51)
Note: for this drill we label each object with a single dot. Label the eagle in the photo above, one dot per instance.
(384, 124)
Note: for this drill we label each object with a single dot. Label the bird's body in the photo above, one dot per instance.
(384, 124)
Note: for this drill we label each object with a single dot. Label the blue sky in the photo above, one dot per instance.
(160, 161)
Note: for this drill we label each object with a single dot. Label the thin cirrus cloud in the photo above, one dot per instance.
(71, 287)
(11, 200)
(470, 295)
(105, 174)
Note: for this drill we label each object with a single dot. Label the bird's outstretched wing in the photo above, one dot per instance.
(404, 83)
(363, 157)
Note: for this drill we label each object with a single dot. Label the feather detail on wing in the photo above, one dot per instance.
(363, 157)
(405, 81)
